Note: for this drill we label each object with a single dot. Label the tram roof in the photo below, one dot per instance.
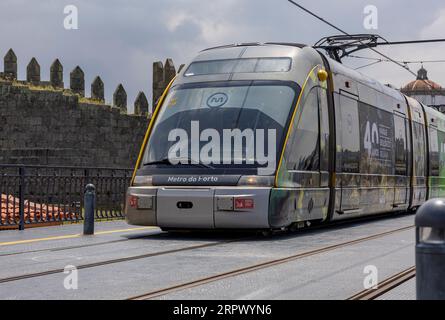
(291, 50)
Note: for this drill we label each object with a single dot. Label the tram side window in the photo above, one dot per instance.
(376, 140)
(338, 154)
(434, 153)
(305, 145)
(441, 147)
(324, 130)
(401, 156)
(408, 145)
(419, 149)
(350, 135)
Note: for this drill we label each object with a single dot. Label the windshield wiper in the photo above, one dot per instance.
(162, 161)
(200, 164)
(189, 160)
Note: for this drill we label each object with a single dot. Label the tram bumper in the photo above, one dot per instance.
(198, 208)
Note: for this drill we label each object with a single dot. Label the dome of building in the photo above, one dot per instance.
(422, 83)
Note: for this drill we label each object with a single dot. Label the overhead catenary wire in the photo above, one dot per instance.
(401, 61)
(390, 43)
(346, 33)
(404, 66)
(377, 60)
(368, 65)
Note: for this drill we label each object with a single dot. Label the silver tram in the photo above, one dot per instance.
(343, 146)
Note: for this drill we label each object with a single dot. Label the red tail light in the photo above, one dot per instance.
(244, 203)
(133, 201)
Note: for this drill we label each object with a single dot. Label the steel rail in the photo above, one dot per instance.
(386, 285)
(200, 246)
(117, 260)
(258, 266)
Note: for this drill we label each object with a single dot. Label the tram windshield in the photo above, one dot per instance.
(222, 124)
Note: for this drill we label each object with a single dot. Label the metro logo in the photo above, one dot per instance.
(217, 100)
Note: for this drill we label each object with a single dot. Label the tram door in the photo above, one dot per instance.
(401, 146)
(348, 155)
(419, 157)
(308, 161)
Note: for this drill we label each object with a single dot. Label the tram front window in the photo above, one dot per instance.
(222, 124)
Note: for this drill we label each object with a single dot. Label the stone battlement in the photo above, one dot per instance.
(44, 123)
(77, 84)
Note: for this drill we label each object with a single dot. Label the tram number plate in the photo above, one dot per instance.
(145, 203)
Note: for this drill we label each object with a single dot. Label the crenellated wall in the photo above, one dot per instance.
(43, 123)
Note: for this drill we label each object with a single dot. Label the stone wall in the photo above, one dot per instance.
(42, 123)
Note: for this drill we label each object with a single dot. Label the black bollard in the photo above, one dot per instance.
(89, 204)
(430, 250)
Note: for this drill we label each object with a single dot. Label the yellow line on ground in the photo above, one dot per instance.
(40, 239)
(125, 230)
(70, 236)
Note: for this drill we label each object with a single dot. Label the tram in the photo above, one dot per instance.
(275, 135)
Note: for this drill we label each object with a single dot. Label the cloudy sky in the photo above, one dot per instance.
(119, 40)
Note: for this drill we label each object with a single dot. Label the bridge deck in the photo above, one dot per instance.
(122, 261)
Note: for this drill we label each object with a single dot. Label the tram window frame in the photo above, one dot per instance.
(238, 65)
(323, 128)
(376, 140)
(338, 136)
(348, 166)
(434, 167)
(419, 171)
(292, 163)
(409, 148)
(441, 143)
(400, 165)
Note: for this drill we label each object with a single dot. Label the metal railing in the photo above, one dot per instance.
(44, 194)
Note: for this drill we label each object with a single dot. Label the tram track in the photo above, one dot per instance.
(62, 248)
(213, 244)
(80, 246)
(117, 260)
(386, 285)
(259, 266)
(87, 245)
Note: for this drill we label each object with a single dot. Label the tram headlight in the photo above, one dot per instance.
(258, 181)
(143, 181)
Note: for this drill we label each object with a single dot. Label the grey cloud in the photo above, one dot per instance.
(119, 40)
